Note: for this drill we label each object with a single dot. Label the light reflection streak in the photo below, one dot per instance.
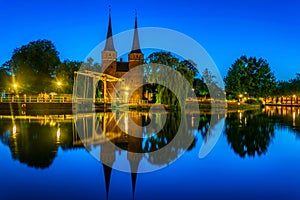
(58, 135)
(294, 118)
(14, 130)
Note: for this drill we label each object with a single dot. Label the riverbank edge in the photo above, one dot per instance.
(6, 108)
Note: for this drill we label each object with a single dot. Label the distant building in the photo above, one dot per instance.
(111, 66)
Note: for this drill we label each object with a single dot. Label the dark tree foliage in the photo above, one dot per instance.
(291, 87)
(250, 76)
(35, 145)
(33, 65)
(186, 67)
(200, 88)
(249, 134)
(4, 78)
(192, 66)
(211, 84)
(65, 74)
(89, 65)
(158, 72)
(163, 140)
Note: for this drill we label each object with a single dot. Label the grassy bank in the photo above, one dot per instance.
(230, 106)
(242, 106)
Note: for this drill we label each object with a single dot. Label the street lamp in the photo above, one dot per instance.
(59, 84)
(15, 86)
(294, 98)
(240, 97)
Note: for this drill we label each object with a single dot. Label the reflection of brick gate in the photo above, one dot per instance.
(97, 128)
(102, 130)
(86, 79)
(91, 131)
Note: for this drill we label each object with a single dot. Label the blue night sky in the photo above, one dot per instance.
(226, 29)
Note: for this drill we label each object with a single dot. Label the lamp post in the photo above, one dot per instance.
(240, 97)
(59, 84)
(293, 98)
(15, 86)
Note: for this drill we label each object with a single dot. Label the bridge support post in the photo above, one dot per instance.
(104, 90)
(94, 90)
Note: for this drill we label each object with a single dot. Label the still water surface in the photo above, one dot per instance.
(256, 157)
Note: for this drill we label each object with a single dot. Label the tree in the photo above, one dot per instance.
(187, 68)
(83, 83)
(65, 74)
(4, 78)
(36, 146)
(91, 65)
(291, 87)
(295, 85)
(250, 76)
(249, 137)
(164, 140)
(33, 65)
(200, 88)
(158, 72)
(208, 78)
(211, 84)
(192, 66)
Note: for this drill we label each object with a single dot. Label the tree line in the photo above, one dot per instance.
(36, 67)
(252, 77)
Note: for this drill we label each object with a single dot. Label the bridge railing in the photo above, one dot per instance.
(116, 100)
(30, 99)
(284, 100)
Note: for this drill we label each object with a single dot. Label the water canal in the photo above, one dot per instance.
(257, 156)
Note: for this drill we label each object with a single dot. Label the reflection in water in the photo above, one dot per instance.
(285, 116)
(58, 135)
(35, 141)
(120, 133)
(204, 124)
(117, 133)
(249, 133)
(103, 127)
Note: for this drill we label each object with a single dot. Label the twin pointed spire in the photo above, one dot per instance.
(136, 42)
(109, 44)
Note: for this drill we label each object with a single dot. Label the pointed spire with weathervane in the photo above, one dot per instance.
(136, 42)
(136, 58)
(109, 55)
(109, 45)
